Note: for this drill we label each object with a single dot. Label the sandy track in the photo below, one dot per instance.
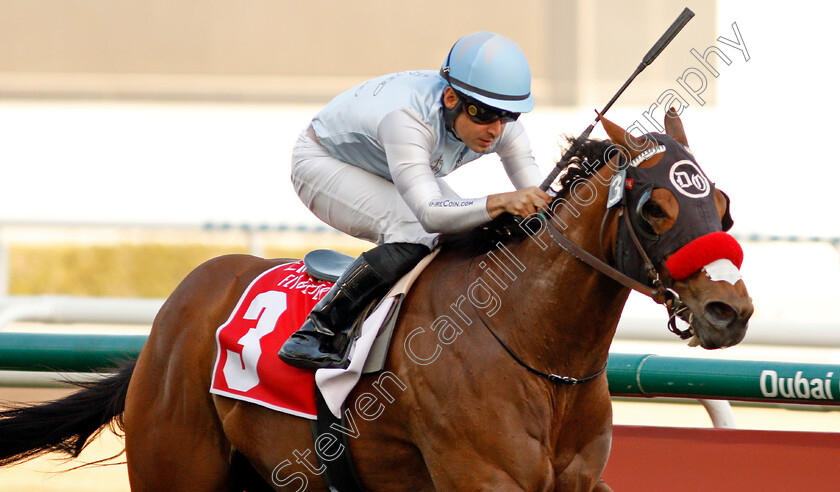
(40, 475)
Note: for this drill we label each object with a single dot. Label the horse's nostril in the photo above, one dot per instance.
(719, 313)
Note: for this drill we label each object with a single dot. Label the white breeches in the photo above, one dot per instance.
(353, 200)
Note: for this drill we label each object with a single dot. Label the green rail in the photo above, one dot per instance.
(629, 374)
(66, 352)
(791, 382)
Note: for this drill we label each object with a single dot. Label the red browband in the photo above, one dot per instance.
(702, 251)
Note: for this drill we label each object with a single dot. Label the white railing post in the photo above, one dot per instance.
(720, 411)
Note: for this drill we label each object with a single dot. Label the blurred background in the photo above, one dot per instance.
(138, 139)
(142, 114)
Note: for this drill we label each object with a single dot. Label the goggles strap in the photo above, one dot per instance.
(449, 116)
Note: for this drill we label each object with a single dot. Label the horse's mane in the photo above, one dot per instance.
(505, 228)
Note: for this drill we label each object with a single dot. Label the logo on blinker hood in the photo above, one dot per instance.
(689, 180)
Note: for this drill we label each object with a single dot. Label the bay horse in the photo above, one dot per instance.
(495, 379)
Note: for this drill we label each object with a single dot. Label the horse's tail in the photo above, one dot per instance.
(65, 425)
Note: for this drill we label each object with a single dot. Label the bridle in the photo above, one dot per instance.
(659, 290)
(660, 293)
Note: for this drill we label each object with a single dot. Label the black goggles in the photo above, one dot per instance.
(483, 114)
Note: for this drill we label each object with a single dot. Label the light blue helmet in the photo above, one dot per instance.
(491, 69)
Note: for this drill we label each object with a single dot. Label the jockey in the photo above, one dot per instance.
(370, 165)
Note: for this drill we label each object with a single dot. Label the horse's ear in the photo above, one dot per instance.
(674, 127)
(621, 137)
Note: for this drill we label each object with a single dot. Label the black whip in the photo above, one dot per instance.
(651, 55)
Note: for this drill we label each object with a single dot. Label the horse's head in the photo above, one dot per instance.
(676, 217)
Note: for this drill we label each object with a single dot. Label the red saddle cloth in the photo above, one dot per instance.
(247, 367)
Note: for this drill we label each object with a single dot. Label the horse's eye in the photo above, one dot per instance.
(652, 210)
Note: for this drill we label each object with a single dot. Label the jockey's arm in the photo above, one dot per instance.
(408, 143)
(514, 149)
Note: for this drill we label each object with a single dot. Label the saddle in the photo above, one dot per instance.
(326, 264)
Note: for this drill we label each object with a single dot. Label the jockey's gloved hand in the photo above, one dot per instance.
(522, 202)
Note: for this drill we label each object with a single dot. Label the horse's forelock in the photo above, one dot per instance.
(591, 156)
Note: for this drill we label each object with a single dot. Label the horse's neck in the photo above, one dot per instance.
(569, 310)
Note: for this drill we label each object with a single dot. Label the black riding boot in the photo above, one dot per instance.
(324, 338)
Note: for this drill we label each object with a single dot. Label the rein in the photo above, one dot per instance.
(660, 293)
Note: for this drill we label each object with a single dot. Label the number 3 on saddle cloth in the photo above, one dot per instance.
(273, 307)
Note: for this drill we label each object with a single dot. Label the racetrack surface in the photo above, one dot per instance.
(44, 474)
